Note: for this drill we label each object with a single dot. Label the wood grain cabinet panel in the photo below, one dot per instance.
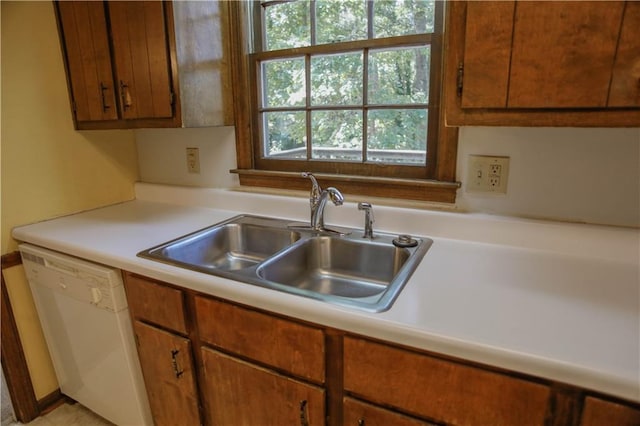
(625, 82)
(169, 376)
(141, 58)
(598, 412)
(295, 348)
(242, 394)
(562, 53)
(537, 63)
(358, 413)
(155, 303)
(487, 54)
(440, 390)
(86, 41)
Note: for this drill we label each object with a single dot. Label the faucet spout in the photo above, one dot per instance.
(314, 196)
(317, 215)
(318, 200)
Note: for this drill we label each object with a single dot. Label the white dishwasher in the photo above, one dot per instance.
(85, 320)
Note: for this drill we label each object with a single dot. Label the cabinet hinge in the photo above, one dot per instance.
(171, 98)
(459, 79)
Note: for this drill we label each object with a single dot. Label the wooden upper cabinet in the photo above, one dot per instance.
(88, 60)
(560, 63)
(141, 58)
(562, 54)
(119, 63)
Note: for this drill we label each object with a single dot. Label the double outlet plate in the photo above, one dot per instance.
(487, 174)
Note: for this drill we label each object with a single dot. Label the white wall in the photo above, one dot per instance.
(573, 174)
(570, 174)
(163, 159)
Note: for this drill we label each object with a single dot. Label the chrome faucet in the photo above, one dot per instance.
(368, 219)
(318, 200)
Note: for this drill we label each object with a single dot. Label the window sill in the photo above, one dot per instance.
(408, 189)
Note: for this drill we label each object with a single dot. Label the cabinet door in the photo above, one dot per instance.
(86, 45)
(141, 58)
(534, 63)
(598, 412)
(357, 413)
(237, 393)
(563, 53)
(625, 82)
(529, 55)
(169, 376)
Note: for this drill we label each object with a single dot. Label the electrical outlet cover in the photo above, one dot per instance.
(487, 174)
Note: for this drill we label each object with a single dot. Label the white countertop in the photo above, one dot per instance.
(555, 300)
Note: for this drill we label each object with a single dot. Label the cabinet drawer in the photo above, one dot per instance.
(359, 413)
(440, 390)
(240, 393)
(598, 412)
(293, 347)
(155, 303)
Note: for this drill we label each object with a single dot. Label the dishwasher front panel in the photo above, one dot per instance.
(89, 335)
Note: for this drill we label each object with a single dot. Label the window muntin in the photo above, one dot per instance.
(373, 105)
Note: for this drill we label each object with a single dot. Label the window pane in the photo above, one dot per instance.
(397, 136)
(285, 134)
(336, 79)
(402, 17)
(336, 135)
(287, 25)
(399, 76)
(340, 20)
(283, 83)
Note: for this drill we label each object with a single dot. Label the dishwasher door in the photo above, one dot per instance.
(85, 320)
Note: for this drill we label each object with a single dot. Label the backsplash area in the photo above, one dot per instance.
(570, 174)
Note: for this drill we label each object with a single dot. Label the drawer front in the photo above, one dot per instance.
(357, 413)
(598, 412)
(293, 347)
(440, 390)
(156, 303)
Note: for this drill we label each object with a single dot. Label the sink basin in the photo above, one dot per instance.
(335, 266)
(344, 269)
(227, 246)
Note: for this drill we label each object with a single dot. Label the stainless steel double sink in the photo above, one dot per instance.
(339, 268)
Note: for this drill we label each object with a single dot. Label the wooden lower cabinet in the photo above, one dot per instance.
(238, 393)
(256, 368)
(169, 376)
(358, 413)
(438, 389)
(599, 412)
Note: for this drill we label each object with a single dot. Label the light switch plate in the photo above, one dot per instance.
(487, 174)
(193, 160)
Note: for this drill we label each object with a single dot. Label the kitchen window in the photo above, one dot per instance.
(349, 90)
